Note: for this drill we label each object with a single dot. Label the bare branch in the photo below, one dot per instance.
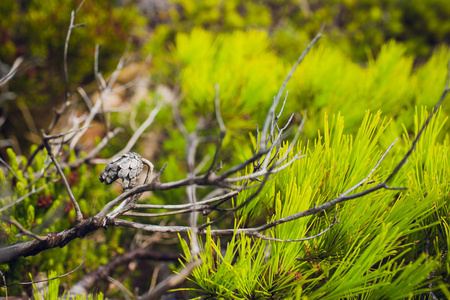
(238, 207)
(54, 239)
(343, 197)
(94, 151)
(255, 175)
(146, 227)
(264, 237)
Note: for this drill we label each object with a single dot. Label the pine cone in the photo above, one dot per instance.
(127, 167)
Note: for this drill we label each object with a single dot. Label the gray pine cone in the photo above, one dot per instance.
(127, 167)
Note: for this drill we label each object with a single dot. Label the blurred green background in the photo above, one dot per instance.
(246, 38)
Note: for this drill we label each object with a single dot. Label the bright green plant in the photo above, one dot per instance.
(327, 83)
(358, 27)
(376, 248)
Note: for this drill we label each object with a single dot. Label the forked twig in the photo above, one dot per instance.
(79, 215)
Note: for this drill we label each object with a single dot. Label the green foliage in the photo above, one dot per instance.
(326, 83)
(238, 62)
(356, 26)
(378, 243)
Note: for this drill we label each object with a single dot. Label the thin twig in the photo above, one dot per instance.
(238, 207)
(223, 129)
(189, 205)
(22, 229)
(18, 200)
(125, 292)
(49, 279)
(9, 168)
(85, 97)
(137, 134)
(343, 197)
(414, 143)
(66, 47)
(283, 86)
(362, 182)
(12, 71)
(264, 237)
(79, 215)
(59, 135)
